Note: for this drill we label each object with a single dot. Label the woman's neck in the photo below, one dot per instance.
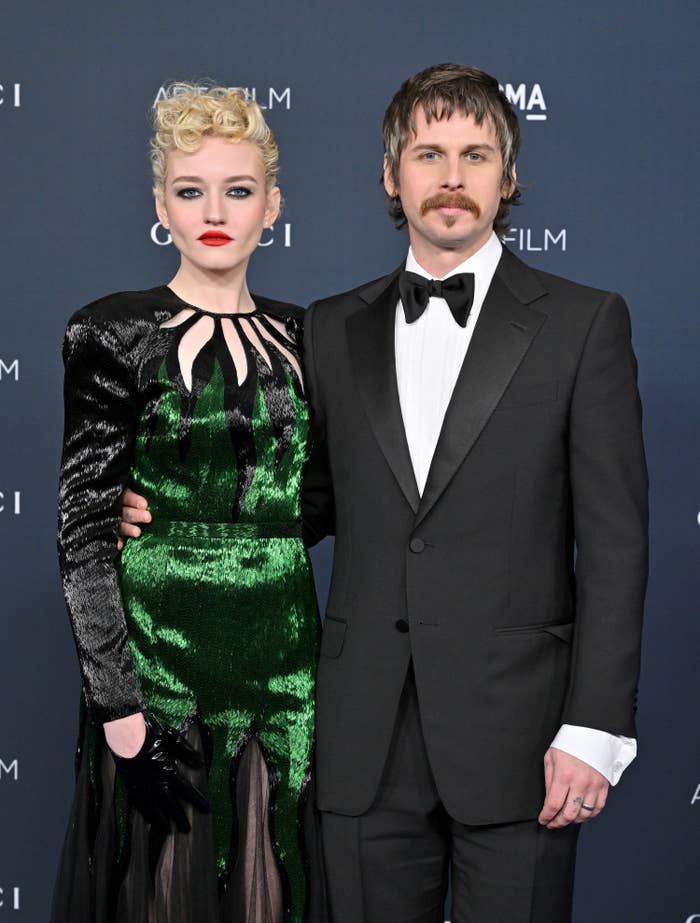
(224, 292)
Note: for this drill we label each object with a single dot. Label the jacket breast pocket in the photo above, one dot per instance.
(523, 396)
(333, 636)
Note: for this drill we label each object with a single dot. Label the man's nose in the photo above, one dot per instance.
(452, 174)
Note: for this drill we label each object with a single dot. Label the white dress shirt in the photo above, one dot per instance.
(429, 356)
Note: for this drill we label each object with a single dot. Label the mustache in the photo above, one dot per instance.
(451, 200)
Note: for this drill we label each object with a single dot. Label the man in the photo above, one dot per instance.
(479, 460)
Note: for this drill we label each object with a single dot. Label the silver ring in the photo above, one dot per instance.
(588, 807)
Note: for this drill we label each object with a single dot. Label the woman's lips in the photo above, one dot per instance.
(214, 239)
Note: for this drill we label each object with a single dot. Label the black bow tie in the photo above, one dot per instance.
(458, 292)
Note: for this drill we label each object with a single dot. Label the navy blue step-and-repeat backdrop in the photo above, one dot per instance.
(606, 96)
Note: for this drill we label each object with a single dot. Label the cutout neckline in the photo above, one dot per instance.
(208, 313)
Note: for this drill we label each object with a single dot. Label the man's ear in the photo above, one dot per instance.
(272, 209)
(510, 184)
(161, 210)
(389, 184)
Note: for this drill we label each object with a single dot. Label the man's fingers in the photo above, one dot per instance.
(597, 799)
(582, 784)
(134, 516)
(548, 770)
(582, 807)
(134, 511)
(553, 803)
(568, 813)
(588, 808)
(134, 500)
(602, 797)
(126, 530)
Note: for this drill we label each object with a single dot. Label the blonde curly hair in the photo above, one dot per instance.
(189, 112)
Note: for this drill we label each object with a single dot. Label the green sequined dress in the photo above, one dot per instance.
(209, 619)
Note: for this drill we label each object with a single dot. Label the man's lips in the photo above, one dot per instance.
(214, 238)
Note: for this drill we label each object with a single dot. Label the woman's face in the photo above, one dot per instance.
(215, 204)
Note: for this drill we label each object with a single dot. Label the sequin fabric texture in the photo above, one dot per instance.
(209, 619)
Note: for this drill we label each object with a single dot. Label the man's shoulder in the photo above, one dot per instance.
(561, 289)
(352, 298)
(570, 288)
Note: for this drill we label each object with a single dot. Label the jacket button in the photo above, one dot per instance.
(417, 545)
(402, 626)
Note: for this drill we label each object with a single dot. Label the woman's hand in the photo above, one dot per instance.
(153, 781)
(134, 511)
(125, 736)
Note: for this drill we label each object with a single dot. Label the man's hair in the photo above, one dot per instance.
(441, 91)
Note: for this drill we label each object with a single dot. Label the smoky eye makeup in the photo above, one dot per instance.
(188, 192)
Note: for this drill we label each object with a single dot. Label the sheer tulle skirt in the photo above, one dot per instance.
(115, 869)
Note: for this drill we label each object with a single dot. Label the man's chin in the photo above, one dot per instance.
(451, 226)
(459, 239)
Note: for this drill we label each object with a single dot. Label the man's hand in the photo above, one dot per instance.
(575, 791)
(134, 510)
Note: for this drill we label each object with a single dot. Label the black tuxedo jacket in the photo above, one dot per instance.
(516, 582)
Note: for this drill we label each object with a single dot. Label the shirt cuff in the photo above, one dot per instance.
(608, 753)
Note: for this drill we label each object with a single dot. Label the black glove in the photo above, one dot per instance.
(153, 782)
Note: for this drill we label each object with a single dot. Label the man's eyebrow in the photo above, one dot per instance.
(440, 149)
(229, 179)
(481, 147)
(428, 147)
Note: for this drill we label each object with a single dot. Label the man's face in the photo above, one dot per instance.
(450, 184)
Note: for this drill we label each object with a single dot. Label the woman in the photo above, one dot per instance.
(198, 645)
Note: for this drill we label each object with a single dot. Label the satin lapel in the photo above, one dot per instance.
(502, 336)
(370, 334)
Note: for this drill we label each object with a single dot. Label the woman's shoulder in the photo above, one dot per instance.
(281, 309)
(120, 320)
(125, 308)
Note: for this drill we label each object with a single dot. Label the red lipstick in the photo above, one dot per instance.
(214, 238)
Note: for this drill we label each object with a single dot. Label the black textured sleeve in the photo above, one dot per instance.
(317, 499)
(101, 415)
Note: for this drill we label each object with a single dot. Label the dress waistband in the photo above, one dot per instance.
(183, 529)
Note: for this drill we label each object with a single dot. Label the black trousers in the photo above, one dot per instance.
(391, 864)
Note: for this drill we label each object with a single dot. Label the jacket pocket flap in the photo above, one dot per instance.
(333, 636)
(564, 631)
